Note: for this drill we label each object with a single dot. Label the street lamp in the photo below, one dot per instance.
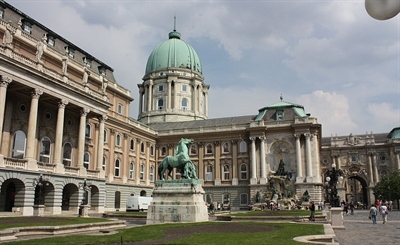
(333, 176)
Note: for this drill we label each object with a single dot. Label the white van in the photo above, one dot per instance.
(138, 203)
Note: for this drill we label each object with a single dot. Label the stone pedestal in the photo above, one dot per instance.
(38, 210)
(84, 210)
(337, 218)
(177, 201)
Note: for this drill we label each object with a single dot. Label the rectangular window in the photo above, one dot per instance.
(184, 88)
(279, 115)
(50, 41)
(71, 53)
(1, 12)
(160, 88)
(26, 26)
(119, 109)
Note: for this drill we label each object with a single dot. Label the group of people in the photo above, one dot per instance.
(379, 207)
(212, 208)
(348, 207)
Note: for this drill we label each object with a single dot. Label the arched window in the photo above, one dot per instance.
(152, 150)
(209, 149)
(67, 154)
(104, 163)
(226, 172)
(163, 151)
(44, 153)
(160, 104)
(244, 199)
(243, 146)
(141, 172)
(151, 173)
(209, 173)
(86, 160)
(193, 150)
(120, 108)
(142, 147)
(88, 131)
(105, 136)
(225, 148)
(132, 170)
(243, 171)
(132, 145)
(118, 140)
(19, 143)
(184, 106)
(226, 199)
(117, 167)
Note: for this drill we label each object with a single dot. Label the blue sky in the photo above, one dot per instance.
(329, 56)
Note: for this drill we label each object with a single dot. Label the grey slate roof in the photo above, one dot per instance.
(215, 122)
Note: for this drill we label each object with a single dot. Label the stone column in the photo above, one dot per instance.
(308, 158)
(206, 103)
(150, 108)
(218, 165)
(263, 179)
(253, 179)
(146, 98)
(375, 164)
(317, 161)
(100, 146)
(31, 142)
(81, 137)
(140, 100)
(59, 132)
(299, 178)
(370, 169)
(169, 95)
(397, 153)
(4, 82)
(235, 171)
(194, 96)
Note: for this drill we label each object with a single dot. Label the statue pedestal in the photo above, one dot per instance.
(337, 218)
(177, 201)
(84, 210)
(38, 210)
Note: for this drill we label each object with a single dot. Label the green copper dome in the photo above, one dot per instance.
(173, 53)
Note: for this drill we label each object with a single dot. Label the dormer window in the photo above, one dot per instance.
(26, 26)
(71, 53)
(279, 115)
(51, 41)
(102, 70)
(87, 62)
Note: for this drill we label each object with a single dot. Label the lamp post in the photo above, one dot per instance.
(333, 176)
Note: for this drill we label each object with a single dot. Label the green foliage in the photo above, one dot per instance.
(389, 187)
(284, 235)
(276, 213)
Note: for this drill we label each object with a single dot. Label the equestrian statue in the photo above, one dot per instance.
(180, 161)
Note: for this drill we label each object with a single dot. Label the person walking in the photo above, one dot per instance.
(384, 212)
(312, 209)
(372, 213)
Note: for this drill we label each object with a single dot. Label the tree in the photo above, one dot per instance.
(389, 187)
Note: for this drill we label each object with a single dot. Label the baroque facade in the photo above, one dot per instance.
(64, 123)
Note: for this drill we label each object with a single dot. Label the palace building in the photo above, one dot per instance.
(65, 126)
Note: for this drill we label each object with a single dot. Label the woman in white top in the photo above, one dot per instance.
(384, 212)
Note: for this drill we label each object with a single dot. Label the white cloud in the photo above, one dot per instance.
(384, 116)
(332, 111)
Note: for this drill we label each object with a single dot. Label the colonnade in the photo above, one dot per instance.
(312, 169)
(31, 141)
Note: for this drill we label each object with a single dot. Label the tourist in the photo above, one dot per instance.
(351, 208)
(312, 209)
(372, 213)
(212, 209)
(384, 212)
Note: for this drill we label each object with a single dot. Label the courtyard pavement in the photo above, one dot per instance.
(360, 230)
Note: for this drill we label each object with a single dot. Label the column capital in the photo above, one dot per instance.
(217, 142)
(103, 118)
(5, 81)
(252, 138)
(307, 135)
(262, 138)
(84, 112)
(297, 136)
(36, 93)
(62, 104)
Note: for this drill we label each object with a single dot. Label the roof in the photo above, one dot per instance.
(173, 53)
(298, 109)
(215, 122)
(394, 134)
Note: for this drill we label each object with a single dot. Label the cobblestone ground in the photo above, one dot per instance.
(360, 230)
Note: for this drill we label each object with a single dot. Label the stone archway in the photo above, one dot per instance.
(357, 191)
(70, 198)
(12, 195)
